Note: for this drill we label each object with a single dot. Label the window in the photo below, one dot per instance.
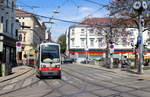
(98, 33)
(148, 32)
(124, 41)
(12, 6)
(12, 28)
(6, 26)
(82, 42)
(82, 31)
(23, 25)
(92, 42)
(72, 41)
(7, 3)
(72, 32)
(16, 33)
(99, 40)
(91, 31)
(20, 37)
(2, 19)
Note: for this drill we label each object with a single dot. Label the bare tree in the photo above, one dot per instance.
(109, 29)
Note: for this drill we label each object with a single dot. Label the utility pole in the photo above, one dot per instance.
(139, 6)
(86, 48)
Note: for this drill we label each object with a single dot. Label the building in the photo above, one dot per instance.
(31, 34)
(87, 41)
(8, 34)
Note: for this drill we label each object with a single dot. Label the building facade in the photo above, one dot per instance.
(31, 34)
(85, 41)
(8, 34)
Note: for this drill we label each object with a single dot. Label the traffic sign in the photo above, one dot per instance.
(111, 46)
(18, 49)
(18, 44)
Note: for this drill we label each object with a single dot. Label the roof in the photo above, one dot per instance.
(22, 13)
(116, 22)
(19, 11)
(107, 21)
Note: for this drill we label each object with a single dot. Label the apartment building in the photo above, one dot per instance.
(8, 34)
(86, 41)
(31, 34)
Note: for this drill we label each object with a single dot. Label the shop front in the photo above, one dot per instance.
(8, 53)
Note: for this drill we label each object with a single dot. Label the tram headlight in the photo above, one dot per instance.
(43, 65)
(57, 65)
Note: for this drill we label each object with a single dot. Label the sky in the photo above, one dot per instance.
(72, 10)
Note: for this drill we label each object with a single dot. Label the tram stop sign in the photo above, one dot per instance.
(18, 46)
(111, 46)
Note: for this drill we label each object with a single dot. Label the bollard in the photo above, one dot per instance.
(3, 69)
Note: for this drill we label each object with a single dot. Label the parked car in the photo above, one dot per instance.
(68, 60)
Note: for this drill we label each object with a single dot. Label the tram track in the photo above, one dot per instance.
(93, 83)
(1, 86)
(13, 90)
(16, 76)
(51, 87)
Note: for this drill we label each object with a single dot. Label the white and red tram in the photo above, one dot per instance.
(49, 60)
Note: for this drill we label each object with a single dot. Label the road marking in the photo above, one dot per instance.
(104, 76)
(27, 82)
(9, 87)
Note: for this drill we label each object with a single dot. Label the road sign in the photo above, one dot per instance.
(111, 46)
(18, 49)
(111, 50)
(18, 44)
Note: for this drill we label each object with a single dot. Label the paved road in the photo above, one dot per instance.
(77, 81)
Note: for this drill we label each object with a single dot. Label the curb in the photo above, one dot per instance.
(15, 76)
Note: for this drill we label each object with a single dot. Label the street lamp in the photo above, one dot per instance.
(140, 6)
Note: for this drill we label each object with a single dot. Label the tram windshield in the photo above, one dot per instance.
(50, 54)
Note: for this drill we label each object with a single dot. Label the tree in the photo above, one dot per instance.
(137, 11)
(110, 31)
(62, 41)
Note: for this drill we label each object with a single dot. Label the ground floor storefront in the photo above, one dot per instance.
(27, 55)
(98, 54)
(7, 53)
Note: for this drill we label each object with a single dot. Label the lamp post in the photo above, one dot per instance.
(139, 6)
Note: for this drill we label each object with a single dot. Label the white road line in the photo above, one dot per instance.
(27, 82)
(9, 87)
(114, 76)
(100, 76)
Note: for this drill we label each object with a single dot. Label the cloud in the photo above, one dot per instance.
(87, 9)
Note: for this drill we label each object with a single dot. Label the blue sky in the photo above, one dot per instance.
(72, 10)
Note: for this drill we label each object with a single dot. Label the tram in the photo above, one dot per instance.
(49, 60)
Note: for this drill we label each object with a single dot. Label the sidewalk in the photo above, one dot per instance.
(146, 74)
(16, 71)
